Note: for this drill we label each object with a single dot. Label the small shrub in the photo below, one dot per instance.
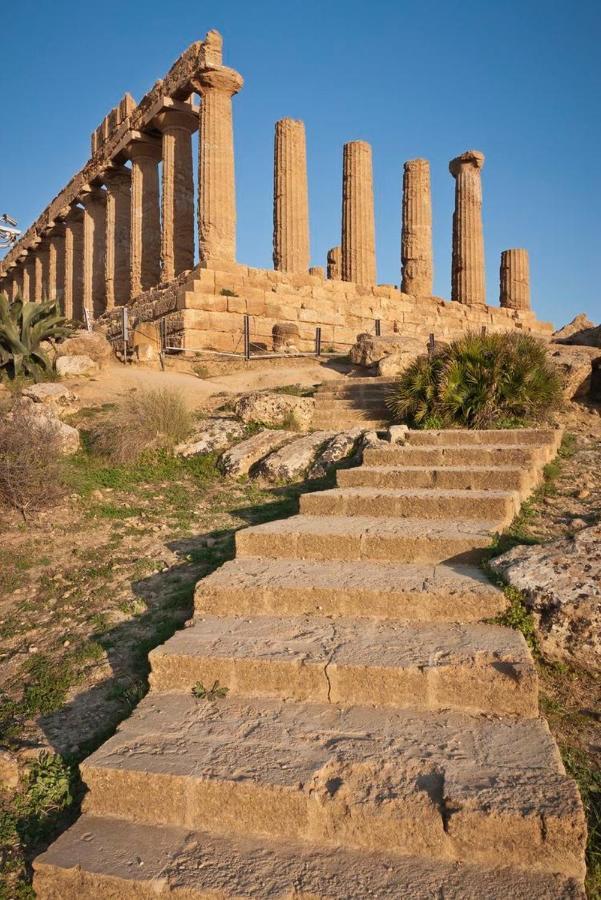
(479, 381)
(24, 327)
(31, 476)
(216, 692)
(147, 421)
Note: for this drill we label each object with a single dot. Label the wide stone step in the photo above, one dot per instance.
(111, 859)
(377, 381)
(439, 503)
(446, 785)
(365, 404)
(460, 455)
(505, 437)
(367, 537)
(363, 589)
(472, 478)
(352, 393)
(484, 668)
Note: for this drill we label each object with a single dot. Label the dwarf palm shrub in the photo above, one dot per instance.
(479, 381)
(24, 327)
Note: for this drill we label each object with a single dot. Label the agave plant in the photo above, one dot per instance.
(24, 327)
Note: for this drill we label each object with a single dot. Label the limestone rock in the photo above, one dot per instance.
(76, 365)
(595, 389)
(579, 331)
(43, 417)
(574, 364)
(562, 585)
(398, 433)
(271, 408)
(240, 459)
(341, 446)
(397, 362)
(52, 394)
(286, 337)
(293, 459)
(370, 349)
(210, 436)
(92, 344)
(372, 441)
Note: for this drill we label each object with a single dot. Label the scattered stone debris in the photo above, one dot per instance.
(212, 435)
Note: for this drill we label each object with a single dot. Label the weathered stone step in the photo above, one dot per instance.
(484, 668)
(111, 859)
(478, 478)
(439, 503)
(365, 381)
(347, 422)
(446, 785)
(367, 537)
(363, 589)
(498, 437)
(349, 392)
(460, 455)
(341, 404)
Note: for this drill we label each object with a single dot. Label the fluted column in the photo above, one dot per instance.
(13, 288)
(94, 251)
(145, 247)
(416, 237)
(335, 263)
(73, 266)
(290, 198)
(468, 274)
(118, 227)
(28, 278)
(358, 229)
(515, 279)
(216, 186)
(56, 263)
(177, 220)
(40, 269)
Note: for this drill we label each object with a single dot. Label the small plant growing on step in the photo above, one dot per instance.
(216, 692)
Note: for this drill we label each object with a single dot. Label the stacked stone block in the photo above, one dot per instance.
(358, 227)
(515, 279)
(468, 275)
(290, 198)
(416, 238)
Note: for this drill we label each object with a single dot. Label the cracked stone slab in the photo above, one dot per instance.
(437, 503)
(364, 589)
(367, 537)
(478, 667)
(117, 860)
(401, 781)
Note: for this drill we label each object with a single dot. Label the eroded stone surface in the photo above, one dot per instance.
(293, 459)
(239, 460)
(212, 435)
(270, 408)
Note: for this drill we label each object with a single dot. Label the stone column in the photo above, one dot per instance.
(468, 276)
(216, 186)
(290, 198)
(94, 251)
(39, 271)
(145, 248)
(177, 237)
(118, 230)
(515, 279)
(358, 229)
(56, 263)
(416, 238)
(28, 278)
(13, 287)
(335, 263)
(73, 267)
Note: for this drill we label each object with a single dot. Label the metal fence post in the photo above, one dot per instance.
(124, 331)
(318, 341)
(378, 327)
(483, 332)
(431, 343)
(246, 337)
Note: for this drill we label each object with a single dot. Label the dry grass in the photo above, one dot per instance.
(147, 421)
(30, 466)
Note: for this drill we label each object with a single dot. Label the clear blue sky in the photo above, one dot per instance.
(518, 79)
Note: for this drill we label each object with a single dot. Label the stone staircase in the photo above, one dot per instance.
(351, 403)
(379, 737)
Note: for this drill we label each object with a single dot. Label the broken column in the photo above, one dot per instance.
(358, 229)
(515, 279)
(56, 262)
(177, 241)
(145, 248)
(216, 85)
(468, 275)
(416, 238)
(290, 198)
(335, 263)
(73, 266)
(94, 251)
(118, 226)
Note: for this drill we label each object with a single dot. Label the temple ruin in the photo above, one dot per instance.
(122, 233)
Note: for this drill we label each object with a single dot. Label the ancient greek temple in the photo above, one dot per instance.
(122, 232)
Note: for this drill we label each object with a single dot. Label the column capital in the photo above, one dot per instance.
(115, 176)
(172, 119)
(217, 78)
(472, 158)
(92, 194)
(144, 146)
